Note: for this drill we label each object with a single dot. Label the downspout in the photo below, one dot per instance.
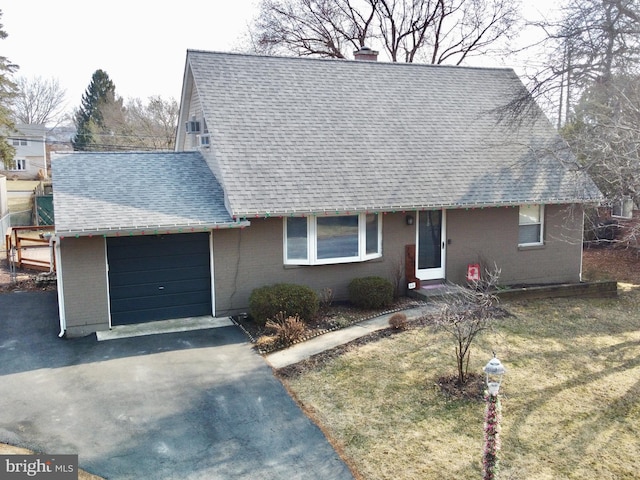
(54, 242)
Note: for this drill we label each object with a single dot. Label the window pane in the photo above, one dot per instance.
(529, 214)
(529, 234)
(372, 233)
(337, 237)
(297, 238)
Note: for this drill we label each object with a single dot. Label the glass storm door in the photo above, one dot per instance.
(430, 245)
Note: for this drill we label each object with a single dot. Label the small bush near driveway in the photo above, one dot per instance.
(286, 298)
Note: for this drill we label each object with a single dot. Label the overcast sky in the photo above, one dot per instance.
(141, 44)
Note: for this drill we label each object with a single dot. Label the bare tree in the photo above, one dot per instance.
(323, 28)
(153, 125)
(436, 31)
(466, 313)
(39, 101)
(604, 135)
(593, 41)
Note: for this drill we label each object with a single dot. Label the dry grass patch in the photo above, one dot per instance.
(571, 397)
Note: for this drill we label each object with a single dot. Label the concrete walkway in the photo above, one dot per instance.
(304, 350)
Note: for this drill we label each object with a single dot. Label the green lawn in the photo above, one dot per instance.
(570, 399)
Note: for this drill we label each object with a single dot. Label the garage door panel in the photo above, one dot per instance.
(159, 277)
(140, 316)
(133, 304)
(152, 263)
(129, 278)
(162, 288)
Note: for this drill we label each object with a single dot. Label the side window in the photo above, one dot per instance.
(18, 164)
(531, 223)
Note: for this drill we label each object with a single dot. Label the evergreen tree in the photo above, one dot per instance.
(7, 93)
(89, 118)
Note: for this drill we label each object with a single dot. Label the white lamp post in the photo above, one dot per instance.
(494, 370)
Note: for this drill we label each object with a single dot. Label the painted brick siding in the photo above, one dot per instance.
(491, 235)
(84, 281)
(253, 257)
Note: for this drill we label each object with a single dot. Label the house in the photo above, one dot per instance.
(315, 171)
(614, 222)
(30, 160)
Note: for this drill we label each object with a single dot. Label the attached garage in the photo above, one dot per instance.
(159, 277)
(138, 249)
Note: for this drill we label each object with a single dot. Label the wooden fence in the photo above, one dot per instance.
(28, 247)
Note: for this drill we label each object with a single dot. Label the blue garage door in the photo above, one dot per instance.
(159, 277)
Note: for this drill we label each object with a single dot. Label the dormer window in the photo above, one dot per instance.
(193, 126)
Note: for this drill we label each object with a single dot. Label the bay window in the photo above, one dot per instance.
(317, 240)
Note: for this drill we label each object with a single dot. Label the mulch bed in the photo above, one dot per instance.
(473, 389)
(613, 263)
(329, 318)
(25, 280)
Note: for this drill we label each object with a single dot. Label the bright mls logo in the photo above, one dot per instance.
(51, 467)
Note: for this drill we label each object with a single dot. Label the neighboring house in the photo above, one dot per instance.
(315, 172)
(615, 223)
(30, 160)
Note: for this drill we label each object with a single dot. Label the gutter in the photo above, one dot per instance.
(150, 230)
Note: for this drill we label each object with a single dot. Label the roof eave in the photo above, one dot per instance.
(247, 214)
(149, 229)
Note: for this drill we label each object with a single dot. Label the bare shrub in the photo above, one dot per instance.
(466, 313)
(287, 329)
(266, 342)
(326, 298)
(398, 321)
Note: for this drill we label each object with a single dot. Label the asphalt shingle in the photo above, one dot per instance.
(135, 191)
(291, 135)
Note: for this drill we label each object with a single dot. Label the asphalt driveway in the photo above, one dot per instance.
(190, 405)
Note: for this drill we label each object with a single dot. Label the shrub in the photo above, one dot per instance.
(267, 302)
(287, 329)
(398, 321)
(266, 343)
(370, 292)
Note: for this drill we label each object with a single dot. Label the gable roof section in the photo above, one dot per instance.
(127, 192)
(292, 136)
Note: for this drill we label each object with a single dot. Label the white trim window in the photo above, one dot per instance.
(20, 142)
(623, 208)
(18, 165)
(321, 240)
(531, 225)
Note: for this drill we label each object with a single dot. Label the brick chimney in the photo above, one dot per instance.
(365, 53)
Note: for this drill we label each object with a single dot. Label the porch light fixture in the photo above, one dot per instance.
(409, 219)
(494, 371)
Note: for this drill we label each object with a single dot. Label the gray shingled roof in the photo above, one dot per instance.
(291, 135)
(133, 191)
